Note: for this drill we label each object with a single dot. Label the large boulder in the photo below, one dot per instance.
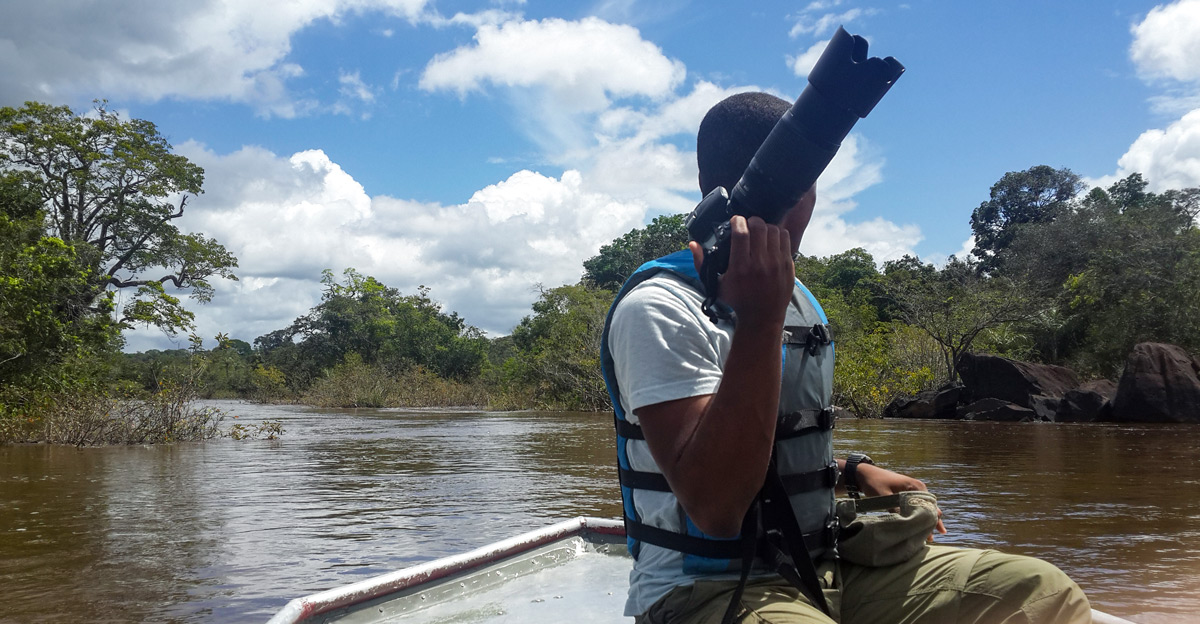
(994, 377)
(1161, 383)
(929, 404)
(1087, 403)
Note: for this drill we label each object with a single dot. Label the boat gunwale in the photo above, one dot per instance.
(301, 609)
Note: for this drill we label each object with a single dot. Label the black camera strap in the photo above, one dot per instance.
(771, 532)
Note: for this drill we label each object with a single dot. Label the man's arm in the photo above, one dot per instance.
(714, 449)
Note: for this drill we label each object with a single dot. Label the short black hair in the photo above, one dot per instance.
(731, 132)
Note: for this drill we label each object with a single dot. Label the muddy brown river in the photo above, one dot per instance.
(227, 531)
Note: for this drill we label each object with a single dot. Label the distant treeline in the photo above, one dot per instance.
(89, 205)
(1055, 277)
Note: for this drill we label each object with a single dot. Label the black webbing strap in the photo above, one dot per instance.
(824, 478)
(751, 530)
(628, 430)
(699, 546)
(802, 422)
(792, 425)
(783, 546)
(643, 480)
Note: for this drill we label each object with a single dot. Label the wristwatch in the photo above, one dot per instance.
(850, 476)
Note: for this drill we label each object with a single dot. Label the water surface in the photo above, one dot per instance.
(228, 531)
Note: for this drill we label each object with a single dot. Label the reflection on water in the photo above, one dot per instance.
(230, 531)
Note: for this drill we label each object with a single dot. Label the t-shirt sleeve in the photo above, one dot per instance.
(660, 349)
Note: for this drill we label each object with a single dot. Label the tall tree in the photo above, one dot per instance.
(620, 258)
(1036, 195)
(111, 189)
(380, 326)
(558, 347)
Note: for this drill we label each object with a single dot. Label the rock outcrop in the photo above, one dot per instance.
(1161, 383)
(994, 377)
(1087, 403)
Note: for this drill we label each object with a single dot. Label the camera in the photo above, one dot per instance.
(843, 87)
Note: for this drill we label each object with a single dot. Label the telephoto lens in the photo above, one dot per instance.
(843, 87)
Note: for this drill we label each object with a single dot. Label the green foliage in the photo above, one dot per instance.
(87, 416)
(877, 360)
(619, 259)
(954, 305)
(381, 326)
(874, 368)
(39, 330)
(558, 346)
(1119, 267)
(106, 186)
(354, 383)
(1020, 199)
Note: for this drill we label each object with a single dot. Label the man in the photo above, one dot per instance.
(702, 407)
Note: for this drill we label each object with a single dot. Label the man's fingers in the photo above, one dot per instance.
(739, 240)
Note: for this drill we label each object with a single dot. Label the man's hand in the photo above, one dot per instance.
(876, 481)
(759, 281)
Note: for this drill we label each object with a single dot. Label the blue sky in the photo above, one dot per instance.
(482, 148)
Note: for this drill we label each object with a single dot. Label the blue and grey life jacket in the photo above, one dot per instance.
(803, 454)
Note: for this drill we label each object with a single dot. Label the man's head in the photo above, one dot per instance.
(730, 133)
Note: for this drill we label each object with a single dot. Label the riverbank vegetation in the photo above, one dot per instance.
(1057, 276)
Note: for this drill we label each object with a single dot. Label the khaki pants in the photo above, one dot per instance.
(940, 585)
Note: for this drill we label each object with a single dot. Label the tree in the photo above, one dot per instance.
(381, 326)
(953, 306)
(558, 347)
(617, 260)
(111, 190)
(38, 274)
(1121, 266)
(1020, 198)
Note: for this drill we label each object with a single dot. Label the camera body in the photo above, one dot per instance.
(843, 86)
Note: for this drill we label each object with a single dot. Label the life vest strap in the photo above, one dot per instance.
(824, 478)
(688, 544)
(629, 431)
(802, 422)
(792, 425)
(639, 480)
(714, 548)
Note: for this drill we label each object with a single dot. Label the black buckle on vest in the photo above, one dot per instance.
(804, 421)
(825, 420)
(817, 337)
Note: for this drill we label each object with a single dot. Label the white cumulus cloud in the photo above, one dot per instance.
(579, 63)
(1166, 43)
(207, 49)
(289, 218)
(1168, 158)
(803, 63)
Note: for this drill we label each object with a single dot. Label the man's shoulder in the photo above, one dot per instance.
(661, 289)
